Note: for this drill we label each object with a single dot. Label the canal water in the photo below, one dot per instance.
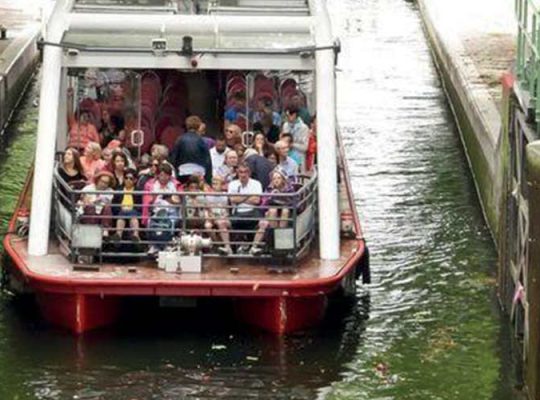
(427, 328)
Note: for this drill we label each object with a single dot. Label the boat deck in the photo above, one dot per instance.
(56, 265)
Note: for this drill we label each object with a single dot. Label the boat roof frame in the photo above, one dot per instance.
(78, 54)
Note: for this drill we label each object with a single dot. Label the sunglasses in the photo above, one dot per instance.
(155, 164)
(130, 177)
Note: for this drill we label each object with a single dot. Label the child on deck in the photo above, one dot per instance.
(216, 215)
(194, 203)
(165, 205)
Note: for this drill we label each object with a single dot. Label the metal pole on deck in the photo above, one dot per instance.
(38, 242)
(326, 130)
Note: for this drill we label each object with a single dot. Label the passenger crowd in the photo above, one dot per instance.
(252, 167)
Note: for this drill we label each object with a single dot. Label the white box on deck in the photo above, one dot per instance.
(191, 264)
(171, 261)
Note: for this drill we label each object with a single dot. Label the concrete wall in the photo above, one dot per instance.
(18, 62)
(475, 112)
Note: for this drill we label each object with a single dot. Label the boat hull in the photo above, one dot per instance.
(78, 312)
(281, 315)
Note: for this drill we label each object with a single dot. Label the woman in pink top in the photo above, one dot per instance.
(82, 132)
(91, 161)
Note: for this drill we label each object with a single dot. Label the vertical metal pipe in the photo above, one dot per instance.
(38, 242)
(326, 130)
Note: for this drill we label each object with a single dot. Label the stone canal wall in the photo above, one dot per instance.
(17, 64)
(471, 53)
(474, 47)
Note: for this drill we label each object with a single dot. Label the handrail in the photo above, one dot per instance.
(172, 220)
(528, 52)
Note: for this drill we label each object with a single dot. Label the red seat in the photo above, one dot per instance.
(165, 121)
(93, 108)
(241, 122)
(169, 135)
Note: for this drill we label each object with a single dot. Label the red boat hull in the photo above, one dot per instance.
(281, 315)
(78, 312)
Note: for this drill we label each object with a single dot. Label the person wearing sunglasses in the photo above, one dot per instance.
(150, 173)
(129, 208)
(233, 135)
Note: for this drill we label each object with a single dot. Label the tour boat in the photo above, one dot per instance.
(155, 62)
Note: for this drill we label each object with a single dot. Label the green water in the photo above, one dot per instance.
(427, 328)
(17, 147)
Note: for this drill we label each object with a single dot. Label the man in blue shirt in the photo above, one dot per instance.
(237, 109)
(190, 155)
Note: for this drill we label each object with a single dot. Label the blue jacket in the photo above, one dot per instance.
(191, 148)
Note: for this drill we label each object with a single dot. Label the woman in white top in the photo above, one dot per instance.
(96, 207)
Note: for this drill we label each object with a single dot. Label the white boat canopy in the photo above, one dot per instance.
(225, 34)
(189, 34)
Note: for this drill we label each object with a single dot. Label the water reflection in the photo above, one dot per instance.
(166, 358)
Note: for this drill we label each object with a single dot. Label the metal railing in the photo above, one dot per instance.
(80, 228)
(528, 52)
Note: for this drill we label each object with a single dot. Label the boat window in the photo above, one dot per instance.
(109, 102)
(127, 124)
(142, 107)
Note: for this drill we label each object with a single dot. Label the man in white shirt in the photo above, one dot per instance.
(217, 153)
(299, 131)
(245, 196)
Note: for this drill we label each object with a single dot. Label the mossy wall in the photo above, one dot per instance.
(482, 150)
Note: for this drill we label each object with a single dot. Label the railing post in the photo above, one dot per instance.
(183, 212)
(536, 34)
(295, 217)
(73, 213)
(519, 40)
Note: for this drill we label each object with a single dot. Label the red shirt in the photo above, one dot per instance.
(311, 151)
(80, 135)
